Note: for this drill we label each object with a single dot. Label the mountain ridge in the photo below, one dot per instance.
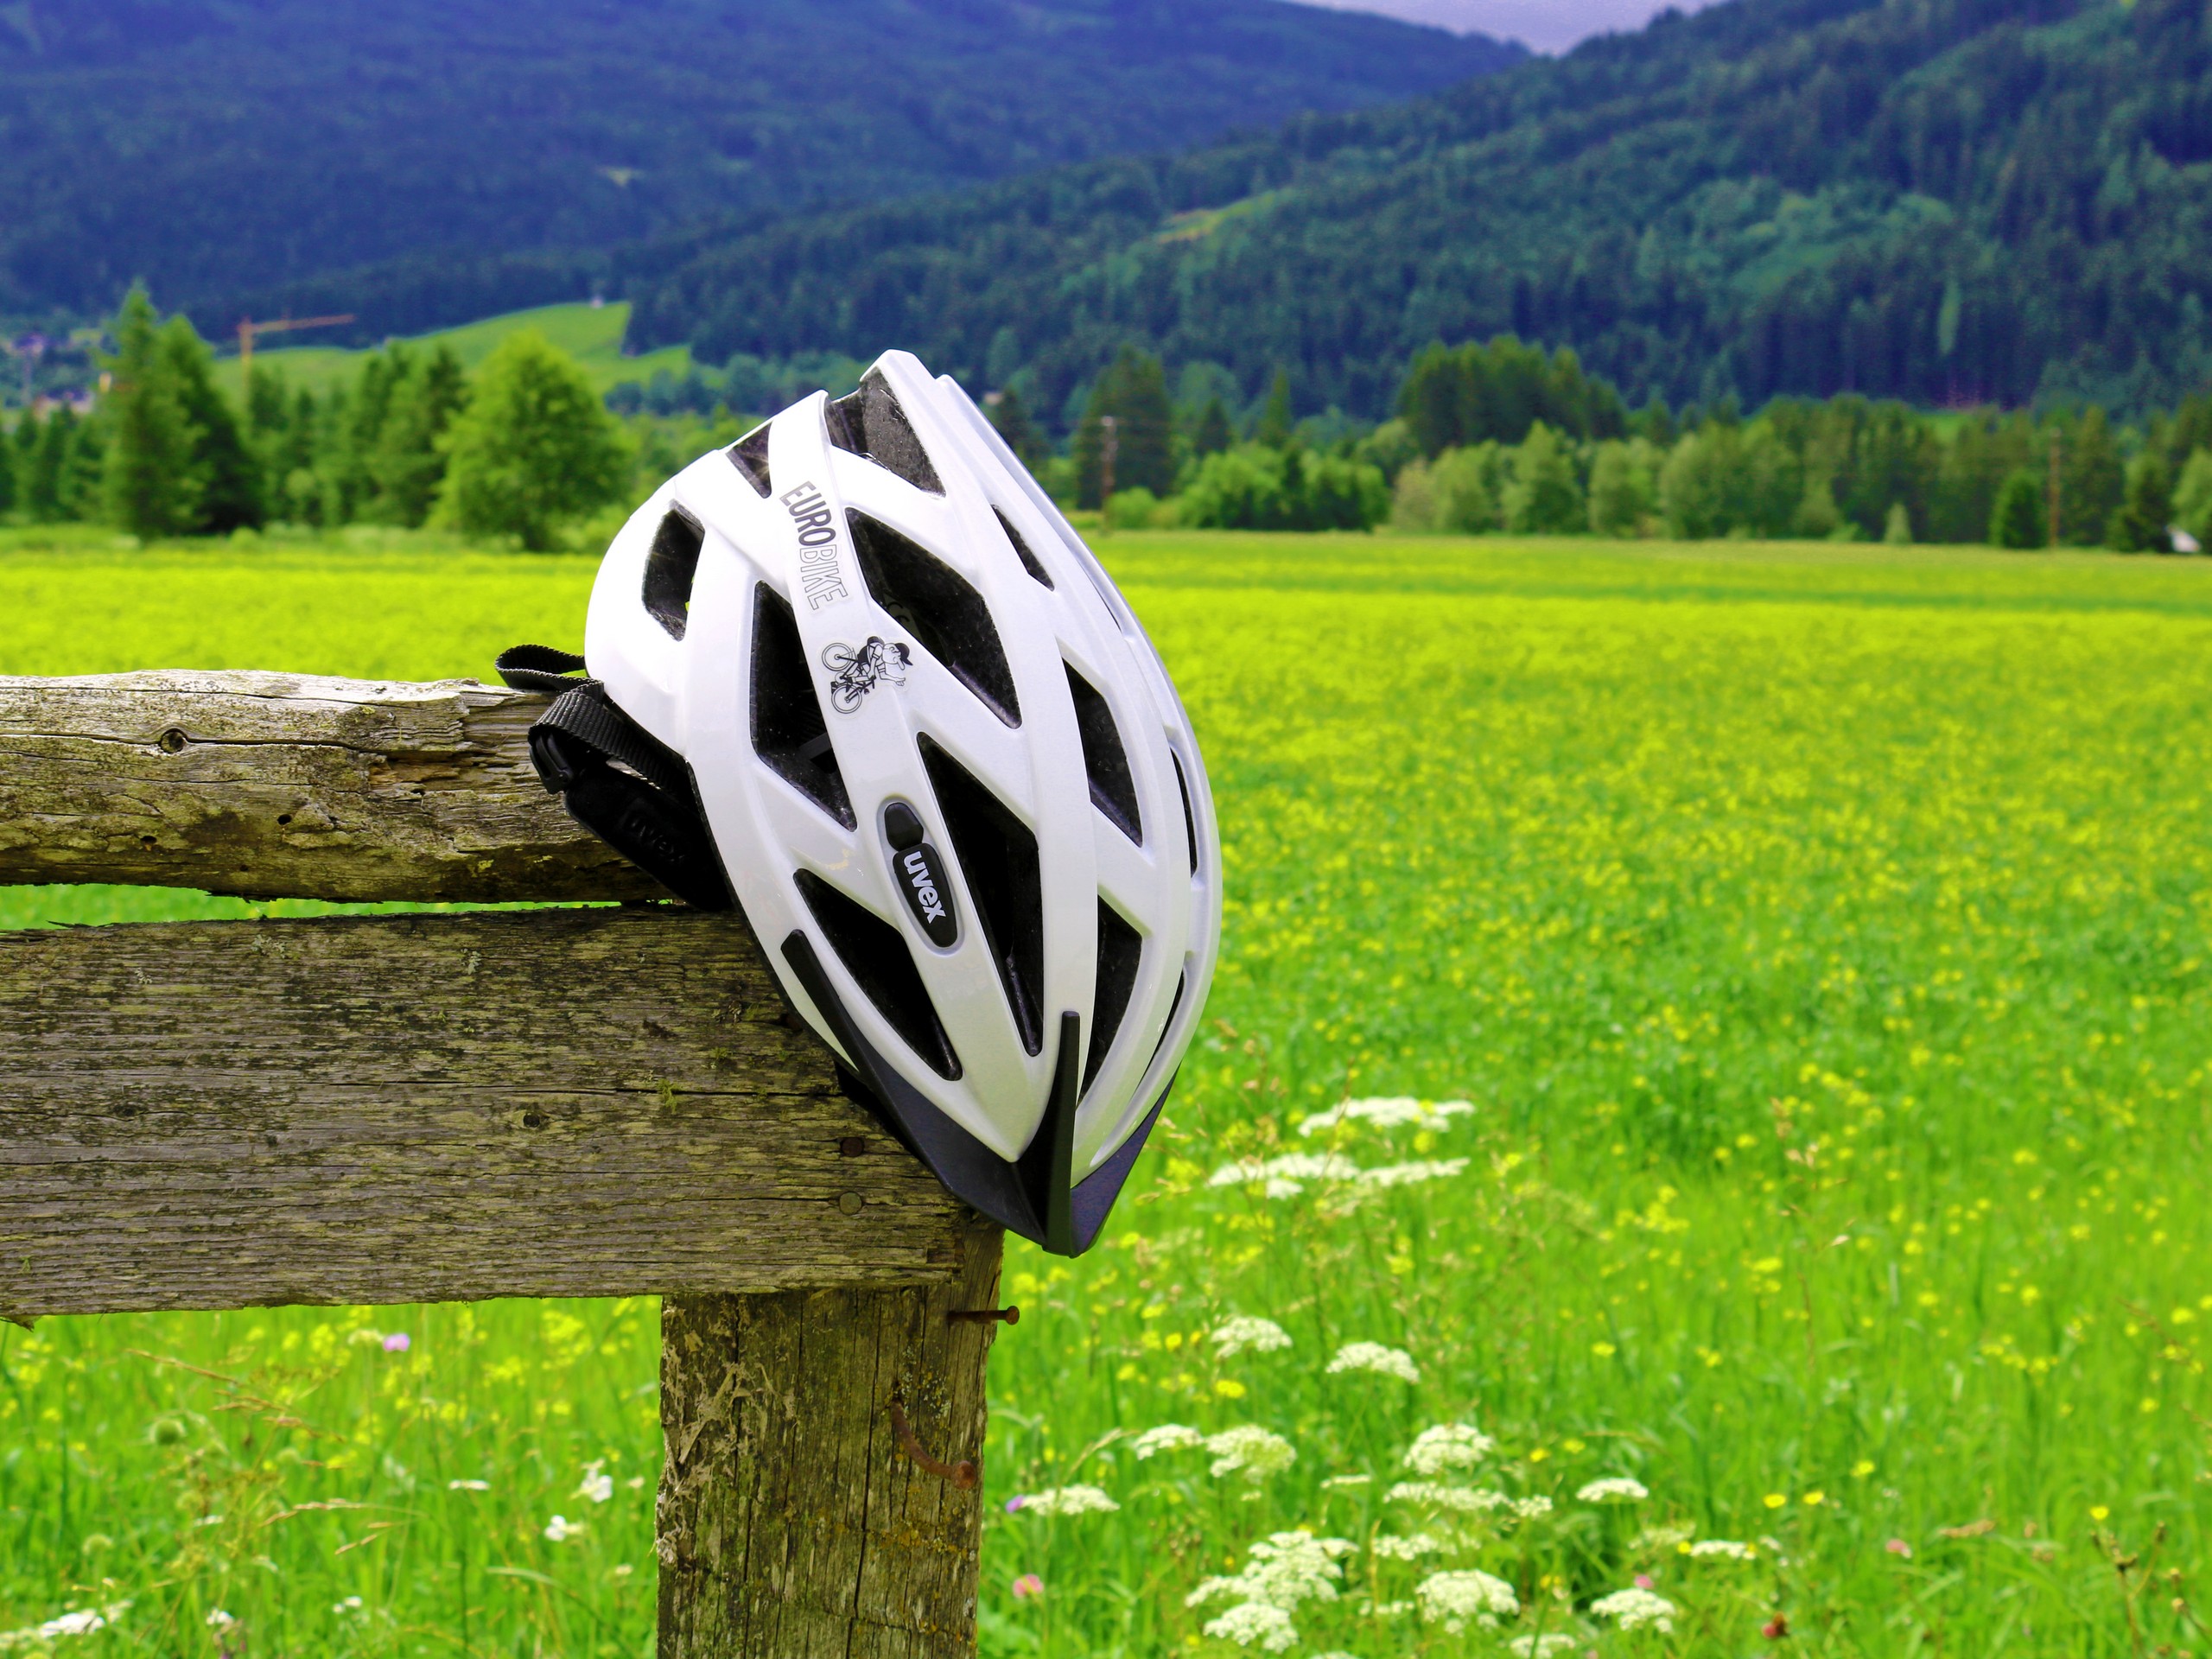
(1951, 201)
(227, 148)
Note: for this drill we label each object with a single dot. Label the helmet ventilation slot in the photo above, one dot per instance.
(933, 602)
(670, 567)
(1174, 1008)
(789, 733)
(1189, 825)
(997, 856)
(877, 958)
(749, 454)
(869, 422)
(1120, 950)
(1021, 549)
(1113, 790)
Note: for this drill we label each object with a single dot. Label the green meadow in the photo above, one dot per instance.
(592, 334)
(1772, 991)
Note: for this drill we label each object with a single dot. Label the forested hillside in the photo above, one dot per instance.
(1947, 201)
(226, 149)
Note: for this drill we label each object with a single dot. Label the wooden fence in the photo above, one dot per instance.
(581, 1102)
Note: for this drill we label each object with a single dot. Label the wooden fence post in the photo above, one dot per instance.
(560, 1102)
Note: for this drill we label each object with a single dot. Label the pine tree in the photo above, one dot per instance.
(409, 463)
(2018, 519)
(1133, 391)
(225, 476)
(12, 474)
(1211, 433)
(2140, 526)
(1010, 415)
(46, 464)
(150, 487)
(534, 447)
(24, 443)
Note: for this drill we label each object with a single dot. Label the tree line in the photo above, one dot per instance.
(517, 450)
(1498, 435)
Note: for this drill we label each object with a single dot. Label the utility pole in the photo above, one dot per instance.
(2053, 481)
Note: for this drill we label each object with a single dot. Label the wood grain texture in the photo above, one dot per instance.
(790, 1524)
(395, 1108)
(284, 787)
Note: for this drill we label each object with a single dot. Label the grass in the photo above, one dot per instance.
(591, 334)
(1818, 937)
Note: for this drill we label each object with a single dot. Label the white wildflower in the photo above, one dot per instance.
(1245, 1334)
(1726, 1549)
(1390, 1112)
(1254, 1621)
(1285, 1176)
(351, 1605)
(1065, 1500)
(1528, 1509)
(1391, 1609)
(1620, 1487)
(1453, 1598)
(1540, 1647)
(597, 1484)
(1464, 1500)
(219, 1620)
(1336, 1482)
(560, 1529)
(1413, 1174)
(1448, 1445)
(1634, 1609)
(1168, 1437)
(1285, 1569)
(81, 1622)
(1249, 1450)
(1669, 1537)
(468, 1485)
(1406, 1549)
(1374, 1356)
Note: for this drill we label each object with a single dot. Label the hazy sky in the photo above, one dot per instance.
(1547, 25)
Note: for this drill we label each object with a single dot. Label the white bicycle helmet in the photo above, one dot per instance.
(938, 764)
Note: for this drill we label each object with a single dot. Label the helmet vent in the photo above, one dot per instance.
(749, 454)
(1113, 790)
(933, 602)
(877, 958)
(869, 422)
(789, 731)
(997, 856)
(1021, 549)
(670, 568)
(1182, 980)
(1189, 825)
(1120, 951)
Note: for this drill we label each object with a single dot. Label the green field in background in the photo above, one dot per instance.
(1819, 936)
(591, 334)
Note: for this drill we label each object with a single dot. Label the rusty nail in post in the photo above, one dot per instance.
(961, 1474)
(986, 1315)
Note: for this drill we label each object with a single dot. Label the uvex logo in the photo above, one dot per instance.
(922, 880)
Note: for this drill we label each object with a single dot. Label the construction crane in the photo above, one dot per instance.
(249, 330)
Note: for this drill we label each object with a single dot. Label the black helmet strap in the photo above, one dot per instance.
(616, 778)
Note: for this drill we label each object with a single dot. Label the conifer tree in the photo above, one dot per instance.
(1010, 415)
(227, 479)
(150, 487)
(409, 464)
(534, 446)
(1134, 392)
(1211, 432)
(46, 464)
(2018, 519)
(12, 474)
(84, 466)
(2140, 524)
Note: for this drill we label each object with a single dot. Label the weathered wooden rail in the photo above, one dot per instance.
(433, 1107)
